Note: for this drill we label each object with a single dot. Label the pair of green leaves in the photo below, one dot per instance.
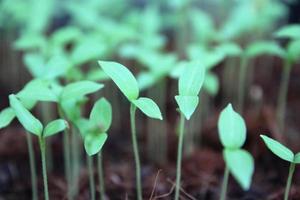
(232, 133)
(32, 124)
(94, 130)
(280, 150)
(128, 85)
(190, 83)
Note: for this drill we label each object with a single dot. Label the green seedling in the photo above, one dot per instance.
(67, 99)
(189, 85)
(253, 50)
(7, 116)
(285, 154)
(128, 85)
(291, 56)
(34, 126)
(94, 133)
(239, 162)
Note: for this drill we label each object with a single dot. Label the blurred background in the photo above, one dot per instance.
(154, 39)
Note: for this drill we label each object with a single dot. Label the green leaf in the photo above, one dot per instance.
(93, 143)
(278, 149)
(191, 80)
(84, 126)
(293, 50)
(187, 104)
(232, 128)
(290, 31)
(230, 49)
(54, 127)
(264, 48)
(35, 64)
(122, 77)
(38, 90)
(101, 114)
(148, 107)
(6, 116)
(29, 122)
(211, 84)
(241, 166)
(297, 158)
(79, 89)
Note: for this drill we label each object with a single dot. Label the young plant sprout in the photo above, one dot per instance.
(94, 133)
(232, 133)
(253, 50)
(67, 99)
(285, 154)
(6, 117)
(190, 83)
(128, 85)
(34, 126)
(291, 56)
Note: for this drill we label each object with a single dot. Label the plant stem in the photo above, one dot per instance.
(32, 167)
(242, 84)
(101, 176)
(67, 156)
(44, 166)
(282, 98)
(224, 184)
(289, 181)
(179, 156)
(91, 177)
(136, 152)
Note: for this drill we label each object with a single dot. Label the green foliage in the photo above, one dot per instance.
(187, 105)
(55, 127)
(128, 85)
(232, 128)
(101, 114)
(278, 149)
(93, 130)
(93, 142)
(6, 116)
(149, 107)
(241, 165)
(232, 133)
(297, 158)
(79, 89)
(38, 90)
(190, 83)
(264, 48)
(122, 77)
(289, 31)
(293, 51)
(28, 121)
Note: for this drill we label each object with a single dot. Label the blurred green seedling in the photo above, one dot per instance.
(34, 126)
(254, 50)
(189, 86)
(94, 133)
(239, 162)
(291, 56)
(285, 154)
(128, 85)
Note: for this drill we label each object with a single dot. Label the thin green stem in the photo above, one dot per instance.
(101, 176)
(289, 181)
(136, 152)
(44, 166)
(75, 161)
(224, 184)
(32, 167)
(242, 84)
(91, 177)
(67, 156)
(179, 156)
(282, 98)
